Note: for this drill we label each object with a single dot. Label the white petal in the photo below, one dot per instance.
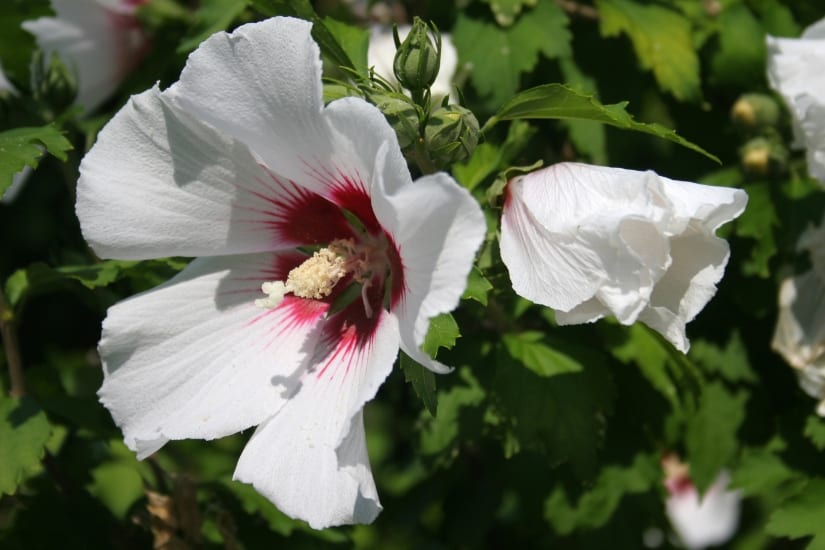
(699, 262)
(795, 71)
(195, 358)
(591, 241)
(99, 44)
(438, 227)
(310, 459)
(262, 85)
(568, 233)
(800, 326)
(159, 183)
(5, 85)
(710, 522)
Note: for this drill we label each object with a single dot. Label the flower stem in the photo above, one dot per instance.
(8, 331)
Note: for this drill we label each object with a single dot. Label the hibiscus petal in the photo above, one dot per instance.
(180, 358)
(182, 189)
(565, 235)
(310, 458)
(99, 45)
(438, 227)
(708, 522)
(592, 241)
(699, 262)
(262, 85)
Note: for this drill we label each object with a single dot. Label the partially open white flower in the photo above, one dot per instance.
(590, 241)
(242, 164)
(381, 54)
(800, 326)
(99, 40)
(700, 522)
(796, 69)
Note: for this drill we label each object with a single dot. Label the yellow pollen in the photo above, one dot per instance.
(316, 277)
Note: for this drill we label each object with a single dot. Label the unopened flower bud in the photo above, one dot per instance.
(753, 112)
(52, 82)
(418, 57)
(401, 115)
(451, 134)
(763, 157)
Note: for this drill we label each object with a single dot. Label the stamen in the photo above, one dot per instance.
(314, 278)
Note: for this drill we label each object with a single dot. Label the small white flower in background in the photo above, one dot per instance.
(699, 522)
(796, 69)
(381, 54)
(5, 85)
(100, 41)
(241, 163)
(590, 241)
(800, 326)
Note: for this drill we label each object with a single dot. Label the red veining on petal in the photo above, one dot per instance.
(303, 217)
(348, 191)
(399, 286)
(343, 354)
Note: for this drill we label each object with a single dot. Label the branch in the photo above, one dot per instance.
(578, 10)
(8, 331)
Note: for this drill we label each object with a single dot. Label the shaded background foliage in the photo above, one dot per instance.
(543, 436)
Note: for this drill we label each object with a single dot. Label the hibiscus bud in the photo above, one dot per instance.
(753, 112)
(452, 134)
(401, 115)
(418, 58)
(53, 82)
(763, 157)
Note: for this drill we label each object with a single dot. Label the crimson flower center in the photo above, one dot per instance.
(360, 261)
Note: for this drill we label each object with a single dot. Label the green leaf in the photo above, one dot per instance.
(757, 222)
(588, 136)
(761, 472)
(118, 485)
(662, 40)
(653, 360)
(500, 56)
(778, 20)
(18, 44)
(24, 432)
(815, 431)
(40, 277)
(354, 41)
(731, 362)
(212, 16)
(477, 287)
(439, 434)
(23, 147)
(506, 11)
(422, 380)
(531, 349)
(489, 158)
(597, 505)
(561, 416)
(740, 60)
(711, 440)
(443, 333)
(801, 515)
(557, 101)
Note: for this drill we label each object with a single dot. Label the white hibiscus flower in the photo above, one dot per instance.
(590, 241)
(699, 522)
(796, 69)
(242, 164)
(101, 41)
